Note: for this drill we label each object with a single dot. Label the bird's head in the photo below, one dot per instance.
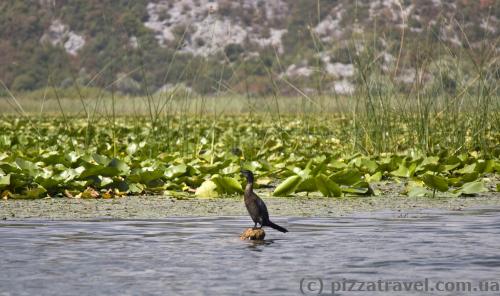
(248, 174)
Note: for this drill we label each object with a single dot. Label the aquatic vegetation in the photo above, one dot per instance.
(202, 156)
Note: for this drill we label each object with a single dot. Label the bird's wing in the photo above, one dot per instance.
(263, 208)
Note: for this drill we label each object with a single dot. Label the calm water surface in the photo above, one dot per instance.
(204, 256)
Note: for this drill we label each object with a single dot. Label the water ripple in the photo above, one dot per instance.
(191, 256)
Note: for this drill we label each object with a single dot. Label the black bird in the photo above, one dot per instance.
(255, 206)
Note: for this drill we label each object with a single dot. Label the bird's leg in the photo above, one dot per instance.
(255, 226)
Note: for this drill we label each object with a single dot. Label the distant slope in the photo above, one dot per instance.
(141, 46)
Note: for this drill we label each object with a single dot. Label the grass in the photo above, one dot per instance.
(438, 132)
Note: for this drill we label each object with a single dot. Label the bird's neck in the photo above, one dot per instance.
(249, 187)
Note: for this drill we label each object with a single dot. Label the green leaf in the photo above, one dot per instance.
(148, 175)
(207, 189)
(347, 177)
(436, 182)
(136, 188)
(121, 166)
(469, 177)
(337, 164)
(306, 185)
(468, 169)
(101, 159)
(27, 167)
(430, 162)
(105, 181)
(370, 165)
(72, 157)
(356, 191)
(374, 178)
(402, 171)
(176, 171)
(35, 192)
(4, 181)
(48, 183)
(473, 187)
(99, 170)
(327, 187)
(131, 148)
(288, 186)
(449, 167)
(418, 191)
(227, 185)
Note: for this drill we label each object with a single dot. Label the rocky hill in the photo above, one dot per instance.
(239, 46)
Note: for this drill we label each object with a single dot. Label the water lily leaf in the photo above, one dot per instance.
(53, 157)
(369, 165)
(430, 164)
(469, 177)
(227, 185)
(48, 183)
(27, 167)
(374, 178)
(99, 170)
(70, 174)
(288, 186)
(481, 166)
(473, 187)
(9, 168)
(347, 177)
(418, 191)
(321, 167)
(356, 191)
(231, 169)
(35, 192)
(147, 176)
(468, 169)
(453, 160)
(72, 157)
(101, 159)
(450, 167)
(337, 164)
(402, 171)
(489, 166)
(327, 187)
(176, 171)
(264, 181)
(431, 160)
(5, 141)
(304, 174)
(307, 184)
(105, 181)
(121, 166)
(436, 182)
(207, 189)
(131, 148)
(136, 188)
(4, 181)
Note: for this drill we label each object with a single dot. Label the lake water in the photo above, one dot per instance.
(204, 256)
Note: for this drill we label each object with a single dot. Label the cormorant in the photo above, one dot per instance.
(255, 206)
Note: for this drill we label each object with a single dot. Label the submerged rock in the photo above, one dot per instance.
(253, 234)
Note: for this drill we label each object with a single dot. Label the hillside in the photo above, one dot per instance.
(243, 46)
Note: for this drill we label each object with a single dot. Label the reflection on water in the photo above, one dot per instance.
(192, 256)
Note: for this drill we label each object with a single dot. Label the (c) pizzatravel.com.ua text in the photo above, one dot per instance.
(320, 286)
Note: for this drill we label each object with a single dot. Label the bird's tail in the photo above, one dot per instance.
(277, 227)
